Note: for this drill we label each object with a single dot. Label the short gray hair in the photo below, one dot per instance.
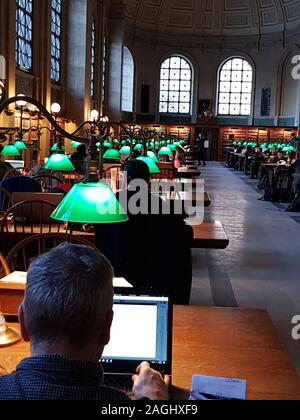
(68, 294)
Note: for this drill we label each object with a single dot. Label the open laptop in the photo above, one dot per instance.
(141, 332)
(16, 164)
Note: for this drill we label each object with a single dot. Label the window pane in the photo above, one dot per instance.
(24, 34)
(235, 87)
(175, 86)
(55, 40)
(128, 82)
(225, 87)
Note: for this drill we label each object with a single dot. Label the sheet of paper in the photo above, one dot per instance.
(18, 277)
(209, 388)
(120, 282)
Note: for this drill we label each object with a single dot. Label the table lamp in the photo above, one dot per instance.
(152, 156)
(20, 145)
(59, 162)
(151, 165)
(93, 203)
(165, 151)
(10, 150)
(112, 154)
(8, 336)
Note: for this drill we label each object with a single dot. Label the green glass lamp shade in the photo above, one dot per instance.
(59, 162)
(182, 142)
(112, 154)
(157, 144)
(291, 149)
(152, 156)
(90, 203)
(138, 147)
(151, 165)
(285, 149)
(20, 145)
(75, 144)
(116, 141)
(165, 151)
(107, 144)
(10, 150)
(55, 147)
(152, 144)
(124, 143)
(172, 147)
(125, 150)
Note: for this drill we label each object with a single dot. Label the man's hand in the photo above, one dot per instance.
(150, 384)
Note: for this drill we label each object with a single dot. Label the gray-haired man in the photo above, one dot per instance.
(66, 315)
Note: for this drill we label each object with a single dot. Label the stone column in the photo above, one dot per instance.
(116, 27)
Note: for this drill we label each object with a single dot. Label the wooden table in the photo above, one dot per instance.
(230, 343)
(189, 196)
(188, 173)
(12, 290)
(209, 235)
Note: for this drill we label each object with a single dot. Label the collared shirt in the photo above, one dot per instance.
(57, 378)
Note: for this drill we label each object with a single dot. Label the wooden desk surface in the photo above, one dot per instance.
(210, 235)
(188, 173)
(230, 343)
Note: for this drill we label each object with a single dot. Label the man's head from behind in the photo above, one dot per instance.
(67, 308)
(137, 169)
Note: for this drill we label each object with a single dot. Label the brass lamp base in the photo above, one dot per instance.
(9, 338)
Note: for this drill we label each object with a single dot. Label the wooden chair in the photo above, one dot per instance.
(114, 178)
(30, 217)
(167, 171)
(20, 257)
(13, 172)
(5, 200)
(4, 267)
(47, 182)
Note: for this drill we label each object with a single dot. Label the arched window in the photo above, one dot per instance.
(127, 81)
(175, 86)
(24, 34)
(235, 87)
(93, 57)
(56, 14)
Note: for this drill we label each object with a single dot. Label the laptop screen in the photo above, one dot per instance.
(141, 331)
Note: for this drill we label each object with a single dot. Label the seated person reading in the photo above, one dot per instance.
(150, 250)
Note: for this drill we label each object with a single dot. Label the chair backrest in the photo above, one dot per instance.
(167, 171)
(20, 257)
(47, 182)
(30, 217)
(114, 178)
(13, 172)
(4, 267)
(5, 200)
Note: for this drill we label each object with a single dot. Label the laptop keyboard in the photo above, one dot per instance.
(121, 382)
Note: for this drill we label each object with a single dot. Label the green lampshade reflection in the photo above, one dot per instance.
(152, 156)
(165, 151)
(125, 150)
(112, 154)
(59, 162)
(151, 165)
(55, 147)
(90, 203)
(10, 150)
(20, 145)
(75, 144)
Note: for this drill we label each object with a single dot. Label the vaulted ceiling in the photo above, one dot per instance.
(214, 17)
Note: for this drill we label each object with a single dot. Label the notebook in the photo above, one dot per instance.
(141, 331)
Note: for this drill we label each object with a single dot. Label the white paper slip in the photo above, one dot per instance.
(120, 282)
(18, 277)
(209, 388)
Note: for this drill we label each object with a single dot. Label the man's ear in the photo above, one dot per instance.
(24, 332)
(105, 335)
